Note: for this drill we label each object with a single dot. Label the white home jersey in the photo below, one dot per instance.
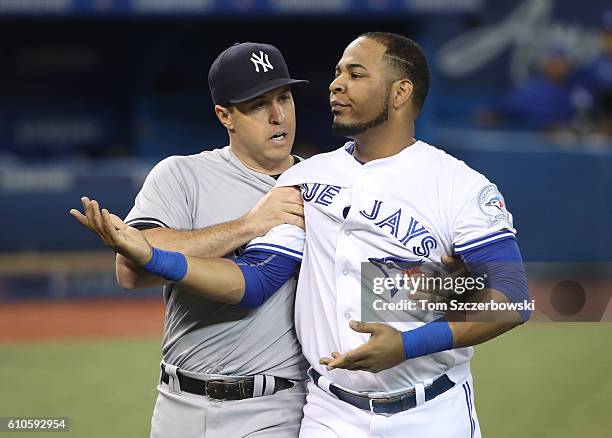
(419, 204)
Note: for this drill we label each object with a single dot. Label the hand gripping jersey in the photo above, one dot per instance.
(201, 335)
(419, 204)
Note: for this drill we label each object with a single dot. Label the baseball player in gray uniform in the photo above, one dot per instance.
(384, 379)
(227, 371)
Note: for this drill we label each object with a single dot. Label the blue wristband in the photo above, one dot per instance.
(167, 264)
(432, 337)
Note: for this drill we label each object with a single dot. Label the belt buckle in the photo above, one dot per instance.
(371, 401)
(384, 400)
(207, 391)
(242, 388)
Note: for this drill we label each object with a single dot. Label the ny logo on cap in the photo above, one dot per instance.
(262, 60)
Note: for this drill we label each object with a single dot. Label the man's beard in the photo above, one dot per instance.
(352, 129)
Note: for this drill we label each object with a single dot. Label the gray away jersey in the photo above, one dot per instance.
(201, 335)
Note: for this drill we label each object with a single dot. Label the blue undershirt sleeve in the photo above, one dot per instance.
(264, 273)
(501, 265)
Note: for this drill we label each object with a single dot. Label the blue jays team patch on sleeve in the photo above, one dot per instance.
(492, 204)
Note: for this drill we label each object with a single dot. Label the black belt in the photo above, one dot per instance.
(220, 389)
(388, 405)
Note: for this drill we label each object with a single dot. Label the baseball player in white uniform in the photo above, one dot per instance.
(383, 195)
(216, 378)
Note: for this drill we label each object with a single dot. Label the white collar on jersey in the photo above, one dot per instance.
(338, 168)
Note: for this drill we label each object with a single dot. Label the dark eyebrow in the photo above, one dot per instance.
(356, 66)
(349, 66)
(255, 101)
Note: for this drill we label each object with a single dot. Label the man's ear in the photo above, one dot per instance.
(224, 115)
(401, 93)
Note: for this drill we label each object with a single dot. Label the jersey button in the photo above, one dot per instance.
(348, 233)
(347, 315)
(345, 271)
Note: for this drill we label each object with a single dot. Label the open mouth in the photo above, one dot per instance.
(279, 136)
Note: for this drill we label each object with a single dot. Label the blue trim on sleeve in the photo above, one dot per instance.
(501, 265)
(275, 249)
(483, 241)
(264, 273)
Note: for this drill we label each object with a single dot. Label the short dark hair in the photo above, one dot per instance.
(408, 60)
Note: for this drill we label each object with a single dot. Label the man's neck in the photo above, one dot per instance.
(258, 164)
(383, 141)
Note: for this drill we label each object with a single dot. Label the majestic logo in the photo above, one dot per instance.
(261, 60)
(492, 203)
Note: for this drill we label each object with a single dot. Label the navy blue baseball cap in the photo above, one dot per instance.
(247, 70)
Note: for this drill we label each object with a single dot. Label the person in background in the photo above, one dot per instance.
(547, 101)
(597, 78)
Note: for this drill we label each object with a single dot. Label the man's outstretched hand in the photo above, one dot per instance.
(115, 234)
(384, 349)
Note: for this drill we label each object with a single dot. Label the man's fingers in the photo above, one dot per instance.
(90, 220)
(325, 360)
(355, 364)
(456, 267)
(292, 219)
(340, 362)
(293, 195)
(106, 234)
(363, 327)
(109, 228)
(290, 195)
(86, 206)
(348, 360)
(117, 222)
(80, 217)
(95, 217)
(450, 262)
(295, 209)
(87, 211)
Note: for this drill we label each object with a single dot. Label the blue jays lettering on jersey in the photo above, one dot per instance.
(400, 224)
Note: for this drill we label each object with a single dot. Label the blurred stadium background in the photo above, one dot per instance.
(94, 92)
